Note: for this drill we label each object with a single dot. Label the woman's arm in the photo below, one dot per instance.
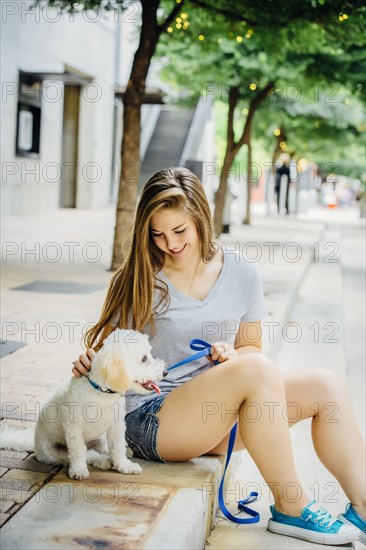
(249, 338)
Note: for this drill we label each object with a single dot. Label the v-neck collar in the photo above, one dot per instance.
(210, 292)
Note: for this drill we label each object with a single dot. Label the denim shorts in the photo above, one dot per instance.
(142, 429)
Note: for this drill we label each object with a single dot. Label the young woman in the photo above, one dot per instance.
(176, 284)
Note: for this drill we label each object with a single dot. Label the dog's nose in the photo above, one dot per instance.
(165, 372)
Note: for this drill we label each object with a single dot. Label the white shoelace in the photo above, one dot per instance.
(323, 515)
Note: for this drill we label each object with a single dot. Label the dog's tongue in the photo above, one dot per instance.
(150, 385)
(155, 387)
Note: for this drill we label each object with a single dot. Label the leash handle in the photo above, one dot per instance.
(196, 344)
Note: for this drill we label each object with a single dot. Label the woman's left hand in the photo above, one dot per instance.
(221, 351)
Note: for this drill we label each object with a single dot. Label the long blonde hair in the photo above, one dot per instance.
(131, 289)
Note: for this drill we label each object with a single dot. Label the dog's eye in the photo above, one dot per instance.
(144, 359)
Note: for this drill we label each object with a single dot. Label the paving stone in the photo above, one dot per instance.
(11, 485)
(17, 398)
(27, 390)
(3, 470)
(59, 287)
(20, 497)
(4, 453)
(15, 509)
(10, 346)
(10, 406)
(29, 465)
(4, 518)
(33, 390)
(25, 478)
(5, 505)
(16, 379)
(9, 410)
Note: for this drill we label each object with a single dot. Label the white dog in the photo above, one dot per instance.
(89, 407)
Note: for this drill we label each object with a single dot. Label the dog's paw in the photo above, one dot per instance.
(102, 462)
(78, 473)
(128, 467)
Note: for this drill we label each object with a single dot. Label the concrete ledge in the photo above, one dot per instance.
(168, 506)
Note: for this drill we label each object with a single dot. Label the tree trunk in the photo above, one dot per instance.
(249, 183)
(222, 189)
(233, 148)
(132, 101)
(229, 157)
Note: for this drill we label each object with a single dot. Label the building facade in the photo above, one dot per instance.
(61, 116)
(58, 105)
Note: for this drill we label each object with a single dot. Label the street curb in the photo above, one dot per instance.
(272, 348)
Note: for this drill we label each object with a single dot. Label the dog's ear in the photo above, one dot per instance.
(113, 371)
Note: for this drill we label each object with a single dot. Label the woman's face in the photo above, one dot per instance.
(175, 234)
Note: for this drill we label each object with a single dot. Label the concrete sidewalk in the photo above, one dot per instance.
(325, 328)
(170, 508)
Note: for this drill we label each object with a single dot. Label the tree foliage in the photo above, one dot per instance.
(312, 50)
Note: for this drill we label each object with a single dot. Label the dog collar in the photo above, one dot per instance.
(99, 388)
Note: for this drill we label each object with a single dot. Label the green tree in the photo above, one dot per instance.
(230, 61)
(250, 63)
(325, 126)
(320, 114)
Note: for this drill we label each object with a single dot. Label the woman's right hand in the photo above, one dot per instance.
(82, 365)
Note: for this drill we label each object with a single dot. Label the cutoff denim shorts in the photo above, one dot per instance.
(142, 429)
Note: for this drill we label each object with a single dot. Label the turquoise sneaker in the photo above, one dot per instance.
(315, 525)
(351, 517)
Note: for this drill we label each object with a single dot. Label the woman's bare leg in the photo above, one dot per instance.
(249, 389)
(320, 394)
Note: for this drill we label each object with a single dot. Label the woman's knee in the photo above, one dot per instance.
(329, 384)
(254, 360)
(257, 367)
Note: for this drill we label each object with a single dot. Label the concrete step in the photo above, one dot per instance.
(167, 506)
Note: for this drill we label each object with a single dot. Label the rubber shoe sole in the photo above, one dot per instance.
(361, 535)
(349, 533)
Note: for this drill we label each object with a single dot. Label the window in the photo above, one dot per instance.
(28, 117)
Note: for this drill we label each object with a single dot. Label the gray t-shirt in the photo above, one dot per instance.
(235, 297)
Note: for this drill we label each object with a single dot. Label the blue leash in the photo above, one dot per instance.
(203, 349)
(196, 344)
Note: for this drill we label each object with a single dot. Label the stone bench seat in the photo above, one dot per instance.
(168, 506)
